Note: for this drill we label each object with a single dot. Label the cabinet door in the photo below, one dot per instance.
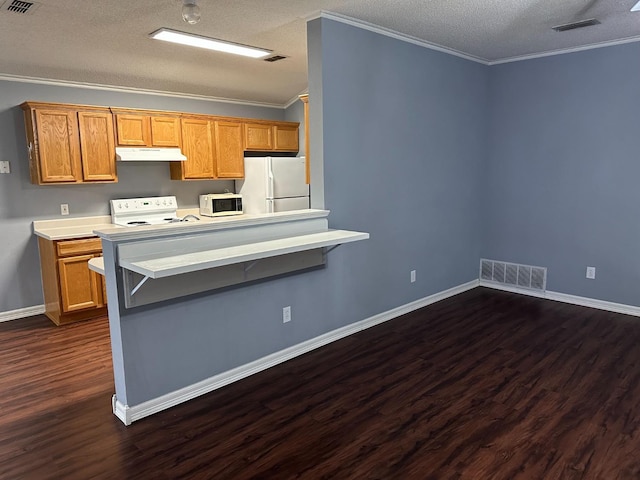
(165, 131)
(102, 286)
(197, 146)
(97, 147)
(286, 138)
(258, 136)
(133, 130)
(78, 285)
(229, 151)
(58, 147)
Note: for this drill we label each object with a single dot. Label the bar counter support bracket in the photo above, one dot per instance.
(328, 250)
(250, 266)
(137, 287)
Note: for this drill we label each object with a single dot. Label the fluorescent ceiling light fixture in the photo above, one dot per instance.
(208, 43)
(636, 7)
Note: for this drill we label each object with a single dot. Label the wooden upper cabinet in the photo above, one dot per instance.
(165, 131)
(286, 138)
(76, 143)
(258, 136)
(69, 143)
(268, 136)
(133, 130)
(147, 130)
(228, 149)
(97, 147)
(53, 141)
(197, 146)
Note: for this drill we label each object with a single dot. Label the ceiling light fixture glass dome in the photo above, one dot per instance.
(190, 12)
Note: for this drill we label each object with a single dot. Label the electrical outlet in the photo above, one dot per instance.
(591, 272)
(64, 209)
(286, 314)
(413, 276)
(5, 167)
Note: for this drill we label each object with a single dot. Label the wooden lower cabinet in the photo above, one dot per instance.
(72, 292)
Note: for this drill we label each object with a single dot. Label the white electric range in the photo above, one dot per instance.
(134, 212)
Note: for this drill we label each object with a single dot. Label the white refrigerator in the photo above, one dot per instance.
(273, 184)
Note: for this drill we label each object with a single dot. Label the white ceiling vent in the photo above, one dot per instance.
(17, 6)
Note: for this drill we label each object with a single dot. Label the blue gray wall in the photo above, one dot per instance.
(404, 146)
(21, 202)
(295, 113)
(403, 136)
(561, 179)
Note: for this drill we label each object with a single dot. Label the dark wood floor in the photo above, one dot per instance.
(484, 385)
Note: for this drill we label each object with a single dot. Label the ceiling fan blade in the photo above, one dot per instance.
(636, 7)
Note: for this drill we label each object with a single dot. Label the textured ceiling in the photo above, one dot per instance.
(106, 42)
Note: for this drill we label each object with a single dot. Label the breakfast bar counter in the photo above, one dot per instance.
(232, 250)
(184, 273)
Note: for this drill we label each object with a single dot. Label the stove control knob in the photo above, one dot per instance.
(126, 205)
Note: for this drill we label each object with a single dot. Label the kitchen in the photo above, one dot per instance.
(453, 103)
(72, 292)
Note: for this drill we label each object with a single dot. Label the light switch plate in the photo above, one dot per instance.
(5, 167)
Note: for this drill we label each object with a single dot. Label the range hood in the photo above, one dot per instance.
(129, 154)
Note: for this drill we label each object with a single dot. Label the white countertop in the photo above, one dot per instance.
(205, 224)
(101, 226)
(70, 228)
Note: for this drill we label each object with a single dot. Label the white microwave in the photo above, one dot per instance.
(220, 204)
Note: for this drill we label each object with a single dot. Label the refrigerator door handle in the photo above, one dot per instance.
(269, 206)
(270, 180)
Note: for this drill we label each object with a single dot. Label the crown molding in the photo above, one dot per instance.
(296, 98)
(563, 51)
(142, 91)
(432, 46)
(393, 34)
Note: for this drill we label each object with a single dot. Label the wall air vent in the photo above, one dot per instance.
(513, 274)
(17, 6)
(274, 58)
(572, 26)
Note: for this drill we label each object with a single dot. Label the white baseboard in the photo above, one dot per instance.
(566, 298)
(129, 414)
(594, 303)
(21, 313)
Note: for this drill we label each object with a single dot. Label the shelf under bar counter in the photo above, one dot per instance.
(191, 258)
